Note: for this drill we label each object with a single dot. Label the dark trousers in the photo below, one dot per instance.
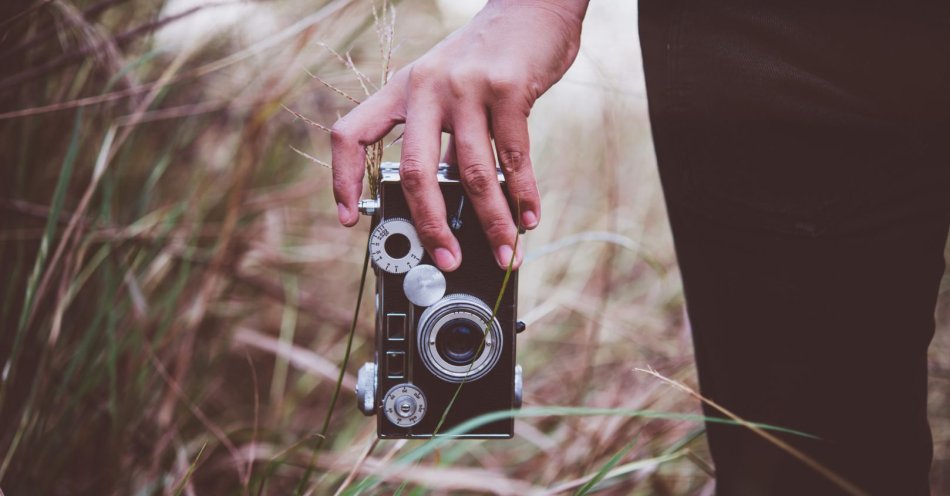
(805, 158)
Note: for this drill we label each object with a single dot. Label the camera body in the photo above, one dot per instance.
(432, 348)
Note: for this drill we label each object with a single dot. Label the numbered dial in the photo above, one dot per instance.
(394, 246)
(405, 405)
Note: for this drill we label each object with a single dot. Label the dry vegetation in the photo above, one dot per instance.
(177, 293)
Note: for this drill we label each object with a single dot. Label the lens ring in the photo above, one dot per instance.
(443, 317)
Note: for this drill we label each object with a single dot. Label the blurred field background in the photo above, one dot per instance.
(177, 293)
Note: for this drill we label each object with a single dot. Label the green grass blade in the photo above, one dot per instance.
(56, 207)
(634, 466)
(288, 327)
(494, 312)
(551, 411)
(685, 440)
(599, 476)
(339, 382)
(180, 487)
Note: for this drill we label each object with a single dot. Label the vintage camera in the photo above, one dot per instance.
(431, 339)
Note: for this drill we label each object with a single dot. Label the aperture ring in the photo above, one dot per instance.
(448, 309)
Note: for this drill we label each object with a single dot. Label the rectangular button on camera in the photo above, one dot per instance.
(396, 326)
(395, 364)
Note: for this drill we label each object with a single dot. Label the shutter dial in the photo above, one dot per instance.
(394, 246)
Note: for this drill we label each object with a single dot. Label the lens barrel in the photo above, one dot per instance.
(456, 341)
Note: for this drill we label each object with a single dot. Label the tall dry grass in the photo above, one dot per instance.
(177, 293)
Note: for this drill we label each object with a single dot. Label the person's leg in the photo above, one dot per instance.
(809, 205)
(827, 336)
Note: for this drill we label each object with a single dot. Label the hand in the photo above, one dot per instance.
(477, 84)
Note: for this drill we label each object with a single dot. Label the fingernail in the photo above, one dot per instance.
(529, 219)
(504, 255)
(444, 258)
(343, 212)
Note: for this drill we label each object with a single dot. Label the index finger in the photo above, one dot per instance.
(366, 124)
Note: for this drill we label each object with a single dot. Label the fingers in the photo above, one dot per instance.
(413, 97)
(480, 180)
(367, 123)
(421, 144)
(510, 128)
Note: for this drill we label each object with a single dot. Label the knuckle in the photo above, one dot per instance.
(514, 106)
(421, 73)
(412, 175)
(479, 180)
(525, 194)
(502, 85)
(428, 229)
(460, 80)
(512, 161)
(498, 229)
(340, 135)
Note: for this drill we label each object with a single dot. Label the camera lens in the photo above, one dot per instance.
(397, 246)
(459, 342)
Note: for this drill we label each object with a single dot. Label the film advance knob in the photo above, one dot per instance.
(424, 285)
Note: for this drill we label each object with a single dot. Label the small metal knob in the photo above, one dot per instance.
(519, 386)
(369, 206)
(424, 285)
(520, 326)
(366, 389)
(404, 405)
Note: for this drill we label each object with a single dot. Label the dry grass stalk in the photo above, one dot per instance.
(332, 87)
(311, 158)
(357, 466)
(175, 387)
(94, 40)
(348, 63)
(385, 30)
(106, 154)
(275, 41)
(308, 121)
(210, 191)
(839, 481)
(385, 25)
(303, 359)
